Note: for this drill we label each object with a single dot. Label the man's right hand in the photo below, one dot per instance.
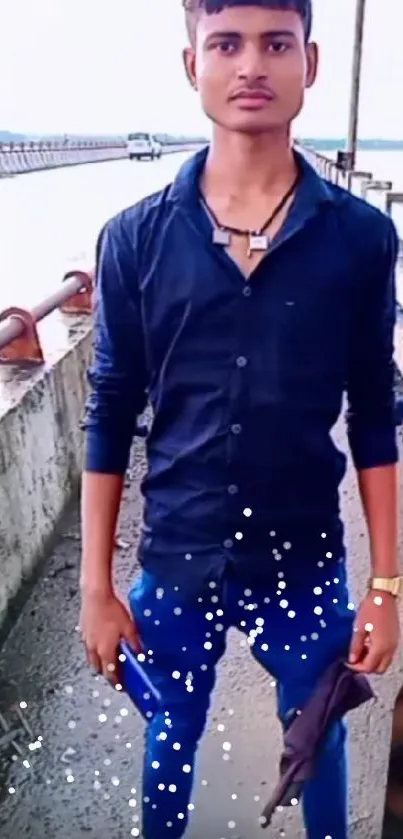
(104, 622)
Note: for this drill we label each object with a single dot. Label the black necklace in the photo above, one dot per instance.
(258, 240)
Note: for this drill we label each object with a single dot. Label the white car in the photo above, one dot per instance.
(142, 146)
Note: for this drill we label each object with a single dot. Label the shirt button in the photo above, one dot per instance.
(228, 543)
(241, 361)
(236, 428)
(247, 291)
(232, 489)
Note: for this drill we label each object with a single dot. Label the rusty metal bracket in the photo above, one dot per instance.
(80, 303)
(26, 346)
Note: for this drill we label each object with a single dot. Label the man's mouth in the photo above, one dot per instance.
(253, 98)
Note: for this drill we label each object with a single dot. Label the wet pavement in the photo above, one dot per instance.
(74, 768)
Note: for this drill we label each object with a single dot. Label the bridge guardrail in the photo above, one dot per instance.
(34, 156)
(19, 339)
(382, 195)
(362, 184)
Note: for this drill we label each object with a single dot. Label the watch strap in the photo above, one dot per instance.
(390, 585)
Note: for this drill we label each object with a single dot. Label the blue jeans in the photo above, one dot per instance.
(295, 643)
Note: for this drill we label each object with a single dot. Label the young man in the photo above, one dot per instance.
(242, 302)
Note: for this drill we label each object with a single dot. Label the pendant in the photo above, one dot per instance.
(258, 242)
(221, 237)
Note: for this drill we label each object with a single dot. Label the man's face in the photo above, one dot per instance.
(251, 66)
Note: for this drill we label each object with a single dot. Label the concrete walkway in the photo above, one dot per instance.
(84, 778)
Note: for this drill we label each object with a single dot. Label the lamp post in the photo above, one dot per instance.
(356, 82)
(346, 159)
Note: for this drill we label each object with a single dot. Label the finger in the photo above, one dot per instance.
(109, 666)
(132, 637)
(375, 659)
(386, 661)
(94, 662)
(369, 663)
(110, 672)
(357, 646)
(360, 667)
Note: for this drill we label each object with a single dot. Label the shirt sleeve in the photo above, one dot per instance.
(370, 390)
(117, 374)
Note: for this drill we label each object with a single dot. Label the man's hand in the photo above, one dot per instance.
(376, 634)
(104, 622)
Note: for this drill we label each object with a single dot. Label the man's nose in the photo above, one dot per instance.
(251, 66)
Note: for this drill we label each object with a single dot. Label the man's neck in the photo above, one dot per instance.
(240, 166)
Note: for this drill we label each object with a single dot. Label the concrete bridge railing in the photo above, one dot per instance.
(34, 156)
(363, 184)
(42, 399)
(17, 158)
(40, 435)
(380, 193)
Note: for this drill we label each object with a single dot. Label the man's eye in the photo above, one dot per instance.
(226, 47)
(278, 47)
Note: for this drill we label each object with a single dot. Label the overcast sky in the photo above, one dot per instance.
(115, 65)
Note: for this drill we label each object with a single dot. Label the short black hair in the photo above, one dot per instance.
(303, 7)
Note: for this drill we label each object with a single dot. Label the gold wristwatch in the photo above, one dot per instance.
(391, 585)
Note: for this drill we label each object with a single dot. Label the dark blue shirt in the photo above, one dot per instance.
(245, 378)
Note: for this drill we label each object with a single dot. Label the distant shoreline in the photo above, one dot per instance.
(370, 144)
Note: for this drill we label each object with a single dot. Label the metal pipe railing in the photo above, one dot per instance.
(19, 340)
(13, 326)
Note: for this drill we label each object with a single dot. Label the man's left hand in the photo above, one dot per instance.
(376, 634)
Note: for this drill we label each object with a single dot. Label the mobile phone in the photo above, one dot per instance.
(136, 683)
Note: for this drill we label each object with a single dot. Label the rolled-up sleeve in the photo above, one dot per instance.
(371, 396)
(117, 375)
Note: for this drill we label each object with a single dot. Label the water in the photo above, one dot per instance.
(50, 220)
(385, 165)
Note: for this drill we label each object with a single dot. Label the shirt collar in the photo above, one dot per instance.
(312, 190)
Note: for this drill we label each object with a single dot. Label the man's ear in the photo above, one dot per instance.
(312, 54)
(189, 60)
